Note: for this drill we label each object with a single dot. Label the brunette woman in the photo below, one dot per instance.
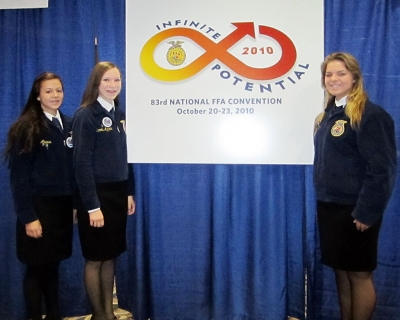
(39, 151)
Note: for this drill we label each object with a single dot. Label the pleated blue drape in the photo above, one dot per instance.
(207, 241)
(216, 242)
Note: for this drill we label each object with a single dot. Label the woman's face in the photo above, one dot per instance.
(51, 95)
(338, 80)
(110, 85)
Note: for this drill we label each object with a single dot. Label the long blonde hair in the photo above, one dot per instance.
(357, 97)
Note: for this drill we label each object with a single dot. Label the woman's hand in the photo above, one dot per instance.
(131, 205)
(34, 229)
(96, 219)
(360, 226)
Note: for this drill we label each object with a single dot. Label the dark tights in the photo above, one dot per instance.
(357, 295)
(99, 283)
(41, 281)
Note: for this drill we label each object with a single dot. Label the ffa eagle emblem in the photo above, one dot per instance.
(338, 128)
(175, 54)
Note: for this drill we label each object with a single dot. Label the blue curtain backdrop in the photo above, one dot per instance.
(207, 241)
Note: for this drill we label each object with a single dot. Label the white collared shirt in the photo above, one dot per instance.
(50, 117)
(341, 103)
(105, 104)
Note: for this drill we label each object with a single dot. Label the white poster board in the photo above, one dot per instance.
(223, 81)
(23, 4)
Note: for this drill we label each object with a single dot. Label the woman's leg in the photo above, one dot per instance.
(33, 292)
(344, 294)
(363, 296)
(356, 292)
(107, 286)
(99, 283)
(93, 288)
(49, 284)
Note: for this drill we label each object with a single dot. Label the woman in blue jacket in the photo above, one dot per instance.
(105, 183)
(354, 174)
(39, 151)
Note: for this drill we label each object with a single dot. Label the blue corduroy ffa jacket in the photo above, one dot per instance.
(356, 166)
(100, 151)
(45, 171)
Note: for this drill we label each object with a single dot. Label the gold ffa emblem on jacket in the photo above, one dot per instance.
(338, 128)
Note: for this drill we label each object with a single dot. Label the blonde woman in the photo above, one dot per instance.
(354, 174)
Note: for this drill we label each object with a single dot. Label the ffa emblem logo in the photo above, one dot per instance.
(107, 122)
(338, 128)
(176, 55)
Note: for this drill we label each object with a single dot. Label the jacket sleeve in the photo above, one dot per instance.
(131, 180)
(21, 166)
(377, 145)
(83, 135)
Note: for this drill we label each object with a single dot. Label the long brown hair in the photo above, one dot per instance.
(91, 92)
(357, 97)
(25, 131)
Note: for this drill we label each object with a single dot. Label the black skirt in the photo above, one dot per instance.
(109, 241)
(343, 247)
(55, 216)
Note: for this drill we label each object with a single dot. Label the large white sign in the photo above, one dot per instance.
(23, 4)
(223, 81)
